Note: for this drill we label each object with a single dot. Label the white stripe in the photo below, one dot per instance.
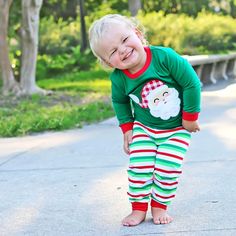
(163, 194)
(143, 147)
(176, 143)
(140, 192)
(139, 185)
(165, 186)
(174, 175)
(140, 154)
(137, 139)
(169, 158)
(137, 164)
(167, 168)
(139, 171)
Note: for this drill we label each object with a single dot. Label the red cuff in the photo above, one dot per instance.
(140, 206)
(190, 116)
(126, 127)
(158, 205)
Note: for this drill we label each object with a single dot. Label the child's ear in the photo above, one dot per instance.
(108, 64)
(140, 35)
(105, 63)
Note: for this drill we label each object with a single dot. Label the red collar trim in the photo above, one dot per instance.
(142, 70)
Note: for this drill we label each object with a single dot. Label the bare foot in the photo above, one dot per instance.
(135, 218)
(160, 216)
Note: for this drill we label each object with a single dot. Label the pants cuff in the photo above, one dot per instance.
(139, 206)
(158, 205)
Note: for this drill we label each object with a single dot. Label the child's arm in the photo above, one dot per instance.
(127, 140)
(183, 73)
(123, 110)
(121, 104)
(191, 126)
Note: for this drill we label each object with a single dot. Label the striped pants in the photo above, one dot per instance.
(156, 158)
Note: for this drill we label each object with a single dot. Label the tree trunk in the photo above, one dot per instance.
(134, 6)
(232, 8)
(9, 82)
(29, 44)
(82, 27)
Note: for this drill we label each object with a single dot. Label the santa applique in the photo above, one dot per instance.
(162, 101)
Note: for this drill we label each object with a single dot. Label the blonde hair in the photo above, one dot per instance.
(99, 26)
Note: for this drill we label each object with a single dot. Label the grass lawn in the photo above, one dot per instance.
(77, 99)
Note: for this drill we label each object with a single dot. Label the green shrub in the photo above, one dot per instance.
(79, 98)
(59, 41)
(74, 60)
(58, 37)
(211, 34)
(207, 33)
(59, 50)
(29, 118)
(168, 30)
(80, 82)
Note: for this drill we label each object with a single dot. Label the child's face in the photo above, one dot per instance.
(122, 48)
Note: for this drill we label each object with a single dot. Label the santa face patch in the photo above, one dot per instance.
(162, 101)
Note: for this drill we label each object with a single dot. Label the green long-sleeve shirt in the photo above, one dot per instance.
(165, 91)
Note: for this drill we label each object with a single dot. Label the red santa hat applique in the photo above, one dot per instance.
(151, 85)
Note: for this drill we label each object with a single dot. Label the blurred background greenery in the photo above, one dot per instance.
(190, 27)
(79, 84)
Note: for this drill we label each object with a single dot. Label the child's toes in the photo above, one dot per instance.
(156, 221)
(164, 220)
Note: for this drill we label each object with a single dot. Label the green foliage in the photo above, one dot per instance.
(60, 9)
(80, 82)
(67, 9)
(15, 61)
(74, 60)
(28, 117)
(211, 33)
(207, 33)
(104, 9)
(14, 16)
(59, 36)
(60, 40)
(189, 7)
(169, 30)
(59, 48)
(78, 99)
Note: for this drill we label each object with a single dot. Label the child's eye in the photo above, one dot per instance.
(113, 52)
(125, 39)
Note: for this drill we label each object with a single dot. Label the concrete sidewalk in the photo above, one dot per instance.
(74, 182)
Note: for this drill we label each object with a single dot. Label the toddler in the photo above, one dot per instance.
(156, 98)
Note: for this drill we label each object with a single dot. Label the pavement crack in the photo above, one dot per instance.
(88, 167)
(13, 157)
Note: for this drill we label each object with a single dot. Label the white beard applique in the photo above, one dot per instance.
(162, 101)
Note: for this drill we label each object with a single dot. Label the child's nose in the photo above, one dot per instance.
(122, 49)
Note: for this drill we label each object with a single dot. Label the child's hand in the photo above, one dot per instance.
(127, 140)
(191, 126)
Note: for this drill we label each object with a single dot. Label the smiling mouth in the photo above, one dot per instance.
(128, 55)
